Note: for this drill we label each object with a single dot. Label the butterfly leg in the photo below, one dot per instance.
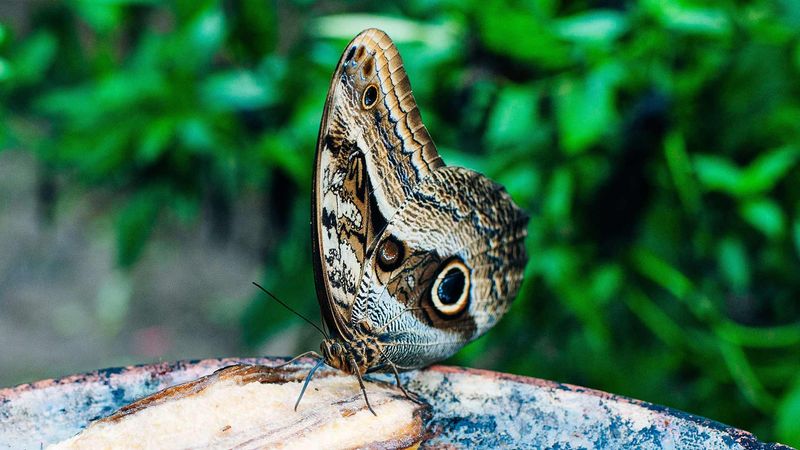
(361, 383)
(305, 383)
(408, 395)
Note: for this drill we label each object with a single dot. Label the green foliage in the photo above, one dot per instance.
(654, 144)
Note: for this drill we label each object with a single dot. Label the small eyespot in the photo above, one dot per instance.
(370, 96)
(360, 52)
(390, 254)
(450, 290)
(366, 69)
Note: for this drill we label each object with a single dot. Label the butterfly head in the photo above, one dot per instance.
(333, 352)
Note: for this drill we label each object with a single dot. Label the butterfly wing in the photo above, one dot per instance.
(464, 257)
(372, 149)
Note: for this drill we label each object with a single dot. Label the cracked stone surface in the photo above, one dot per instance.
(470, 409)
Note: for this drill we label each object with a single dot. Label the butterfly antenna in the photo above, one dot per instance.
(305, 383)
(325, 335)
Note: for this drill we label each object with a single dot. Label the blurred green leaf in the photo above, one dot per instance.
(684, 16)
(742, 373)
(659, 323)
(796, 235)
(34, 56)
(558, 200)
(122, 2)
(606, 282)
(788, 416)
(797, 56)
(102, 15)
(585, 109)
(765, 215)
(156, 139)
(557, 264)
(521, 34)
(208, 31)
(238, 90)
(184, 206)
(764, 337)
(277, 149)
(89, 103)
(514, 119)
(768, 169)
(196, 135)
(197, 42)
(345, 26)
(134, 224)
(717, 173)
(5, 70)
(734, 264)
(676, 283)
(681, 170)
(662, 273)
(522, 181)
(592, 26)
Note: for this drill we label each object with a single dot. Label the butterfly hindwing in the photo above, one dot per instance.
(455, 222)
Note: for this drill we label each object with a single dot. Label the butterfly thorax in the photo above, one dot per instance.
(351, 356)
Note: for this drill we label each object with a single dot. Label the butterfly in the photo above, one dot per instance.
(412, 258)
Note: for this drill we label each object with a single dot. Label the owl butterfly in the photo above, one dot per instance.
(412, 259)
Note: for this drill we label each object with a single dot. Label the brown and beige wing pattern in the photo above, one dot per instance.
(460, 226)
(413, 259)
(372, 149)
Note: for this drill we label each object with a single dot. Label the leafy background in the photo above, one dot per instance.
(654, 144)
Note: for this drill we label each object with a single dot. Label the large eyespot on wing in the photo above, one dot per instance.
(450, 291)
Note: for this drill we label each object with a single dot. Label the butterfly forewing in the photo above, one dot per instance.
(371, 149)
